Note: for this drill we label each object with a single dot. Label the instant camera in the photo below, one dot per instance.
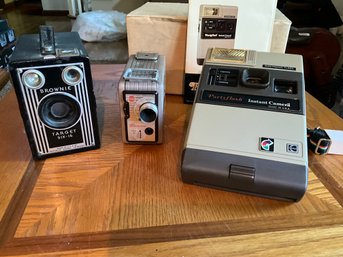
(247, 131)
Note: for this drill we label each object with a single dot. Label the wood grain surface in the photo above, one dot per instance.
(128, 200)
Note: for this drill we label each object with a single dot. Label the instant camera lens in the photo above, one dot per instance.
(59, 111)
(33, 79)
(148, 112)
(72, 75)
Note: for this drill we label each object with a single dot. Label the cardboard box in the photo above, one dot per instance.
(336, 137)
(253, 30)
(161, 28)
(281, 28)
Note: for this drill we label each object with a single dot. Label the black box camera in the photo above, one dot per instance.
(52, 79)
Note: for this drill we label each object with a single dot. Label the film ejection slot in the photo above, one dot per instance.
(243, 174)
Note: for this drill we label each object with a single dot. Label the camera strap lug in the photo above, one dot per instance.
(47, 40)
(318, 141)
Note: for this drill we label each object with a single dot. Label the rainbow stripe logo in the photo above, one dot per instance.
(267, 144)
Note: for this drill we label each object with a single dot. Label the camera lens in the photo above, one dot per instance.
(148, 112)
(72, 75)
(59, 111)
(33, 79)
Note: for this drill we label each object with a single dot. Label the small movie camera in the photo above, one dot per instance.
(52, 79)
(247, 131)
(141, 93)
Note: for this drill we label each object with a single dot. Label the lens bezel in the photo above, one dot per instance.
(59, 123)
(37, 72)
(148, 112)
(66, 78)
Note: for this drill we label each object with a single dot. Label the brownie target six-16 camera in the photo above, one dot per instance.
(52, 79)
(141, 92)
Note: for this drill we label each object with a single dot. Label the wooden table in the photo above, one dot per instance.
(128, 200)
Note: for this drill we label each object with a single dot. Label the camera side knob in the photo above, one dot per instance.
(148, 112)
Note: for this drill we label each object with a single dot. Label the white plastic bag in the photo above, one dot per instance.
(101, 26)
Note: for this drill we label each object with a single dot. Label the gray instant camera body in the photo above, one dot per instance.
(141, 93)
(247, 131)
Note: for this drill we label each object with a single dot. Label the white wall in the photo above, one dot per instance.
(339, 6)
(119, 5)
(102, 4)
(53, 5)
(125, 6)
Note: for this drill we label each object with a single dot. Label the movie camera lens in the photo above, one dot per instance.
(148, 112)
(33, 79)
(72, 75)
(59, 111)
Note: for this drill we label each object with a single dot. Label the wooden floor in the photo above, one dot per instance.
(128, 200)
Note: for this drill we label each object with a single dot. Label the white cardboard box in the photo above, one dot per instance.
(253, 31)
(336, 137)
(161, 28)
(281, 28)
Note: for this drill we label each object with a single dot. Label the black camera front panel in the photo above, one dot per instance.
(258, 88)
(218, 28)
(57, 105)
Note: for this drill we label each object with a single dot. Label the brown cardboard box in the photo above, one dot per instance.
(161, 28)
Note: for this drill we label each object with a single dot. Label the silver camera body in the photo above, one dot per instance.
(142, 92)
(247, 131)
(216, 28)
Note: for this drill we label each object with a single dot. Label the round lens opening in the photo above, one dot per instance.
(59, 111)
(148, 112)
(72, 75)
(33, 79)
